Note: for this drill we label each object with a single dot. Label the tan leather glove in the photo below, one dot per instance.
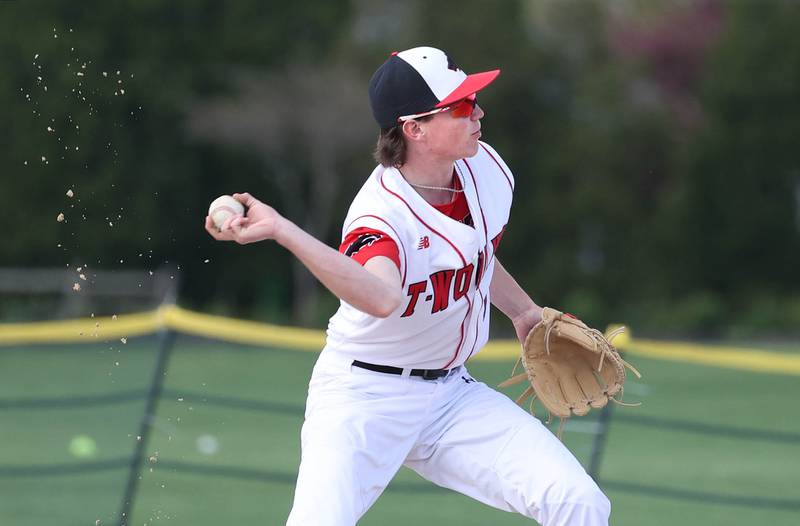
(570, 366)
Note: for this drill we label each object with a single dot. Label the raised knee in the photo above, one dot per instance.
(590, 494)
(578, 502)
(599, 501)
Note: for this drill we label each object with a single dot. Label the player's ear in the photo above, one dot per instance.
(412, 130)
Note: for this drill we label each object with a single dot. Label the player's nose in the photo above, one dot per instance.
(477, 113)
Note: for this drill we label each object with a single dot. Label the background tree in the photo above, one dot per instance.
(303, 123)
(652, 143)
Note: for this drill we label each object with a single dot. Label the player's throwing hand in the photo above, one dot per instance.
(259, 222)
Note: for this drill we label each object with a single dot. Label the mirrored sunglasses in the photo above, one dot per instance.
(459, 109)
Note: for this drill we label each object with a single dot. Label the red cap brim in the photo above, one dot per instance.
(472, 84)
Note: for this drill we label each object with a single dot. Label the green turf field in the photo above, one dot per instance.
(709, 446)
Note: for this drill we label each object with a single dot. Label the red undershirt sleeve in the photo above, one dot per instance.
(363, 244)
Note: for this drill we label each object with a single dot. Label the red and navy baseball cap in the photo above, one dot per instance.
(419, 80)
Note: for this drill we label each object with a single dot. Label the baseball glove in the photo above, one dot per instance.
(571, 367)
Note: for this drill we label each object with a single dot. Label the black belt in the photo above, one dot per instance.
(426, 374)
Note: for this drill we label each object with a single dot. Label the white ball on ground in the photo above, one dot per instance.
(207, 444)
(82, 446)
(224, 207)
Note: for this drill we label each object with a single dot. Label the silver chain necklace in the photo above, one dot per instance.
(454, 190)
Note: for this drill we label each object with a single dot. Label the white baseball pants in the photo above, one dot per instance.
(361, 426)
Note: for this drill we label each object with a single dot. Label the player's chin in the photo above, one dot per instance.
(472, 149)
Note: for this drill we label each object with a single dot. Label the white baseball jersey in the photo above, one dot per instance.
(446, 268)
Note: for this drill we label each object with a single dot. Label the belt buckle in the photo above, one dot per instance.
(431, 374)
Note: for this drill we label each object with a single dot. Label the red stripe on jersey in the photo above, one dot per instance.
(363, 244)
(497, 238)
(483, 298)
(483, 216)
(461, 339)
(478, 195)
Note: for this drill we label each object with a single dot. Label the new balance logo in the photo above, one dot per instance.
(424, 242)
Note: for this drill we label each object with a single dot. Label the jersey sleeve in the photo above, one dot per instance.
(497, 238)
(363, 244)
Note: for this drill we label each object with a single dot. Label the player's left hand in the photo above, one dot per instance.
(525, 322)
(571, 368)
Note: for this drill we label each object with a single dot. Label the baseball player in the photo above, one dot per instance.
(416, 273)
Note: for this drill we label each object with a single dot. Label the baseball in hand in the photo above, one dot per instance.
(224, 207)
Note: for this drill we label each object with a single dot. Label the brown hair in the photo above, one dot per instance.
(391, 148)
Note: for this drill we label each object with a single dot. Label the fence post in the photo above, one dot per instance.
(599, 442)
(166, 339)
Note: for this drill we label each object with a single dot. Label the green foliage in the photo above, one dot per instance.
(699, 314)
(141, 188)
(742, 175)
(765, 314)
(652, 144)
